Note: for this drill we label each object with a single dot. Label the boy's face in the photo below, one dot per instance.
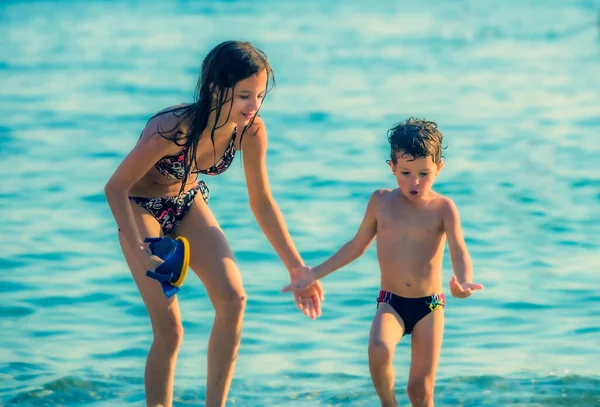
(415, 176)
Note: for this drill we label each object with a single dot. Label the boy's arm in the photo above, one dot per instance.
(355, 247)
(306, 276)
(461, 284)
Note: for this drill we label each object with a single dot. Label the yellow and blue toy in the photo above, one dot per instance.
(176, 256)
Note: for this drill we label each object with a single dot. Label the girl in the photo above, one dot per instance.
(154, 192)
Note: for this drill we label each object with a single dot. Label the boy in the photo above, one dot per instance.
(411, 223)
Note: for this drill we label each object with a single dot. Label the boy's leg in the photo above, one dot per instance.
(426, 346)
(386, 331)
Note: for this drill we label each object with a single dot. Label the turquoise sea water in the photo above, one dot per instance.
(514, 86)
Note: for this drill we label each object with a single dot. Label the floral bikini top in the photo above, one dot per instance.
(172, 166)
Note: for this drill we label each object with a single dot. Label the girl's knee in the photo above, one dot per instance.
(380, 352)
(168, 334)
(231, 305)
(420, 390)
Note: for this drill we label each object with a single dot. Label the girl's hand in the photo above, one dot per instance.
(150, 261)
(308, 292)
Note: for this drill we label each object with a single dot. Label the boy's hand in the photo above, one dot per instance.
(463, 290)
(302, 278)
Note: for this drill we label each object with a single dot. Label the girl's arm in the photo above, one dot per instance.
(262, 204)
(269, 217)
(150, 148)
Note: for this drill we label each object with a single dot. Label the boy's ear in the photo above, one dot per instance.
(440, 165)
(391, 164)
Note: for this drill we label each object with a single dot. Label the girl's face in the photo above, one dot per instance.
(415, 176)
(248, 95)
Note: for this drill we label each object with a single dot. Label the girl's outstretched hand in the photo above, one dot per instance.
(308, 292)
(463, 290)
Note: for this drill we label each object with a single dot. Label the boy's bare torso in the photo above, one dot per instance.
(410, 244)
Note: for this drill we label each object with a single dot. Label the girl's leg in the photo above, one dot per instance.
(164, 316)
(426, 346)
(386, 331)
(212, 260)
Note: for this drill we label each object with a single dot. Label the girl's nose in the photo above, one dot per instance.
(255, 104)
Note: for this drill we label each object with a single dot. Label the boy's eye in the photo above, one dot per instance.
(424, 174)
(404, 172)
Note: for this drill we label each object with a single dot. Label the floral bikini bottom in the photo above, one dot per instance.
(170, 210)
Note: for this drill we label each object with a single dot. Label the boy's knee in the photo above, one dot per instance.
(380, 352)
(420, 390)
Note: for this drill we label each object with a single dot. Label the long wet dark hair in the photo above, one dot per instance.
(224, 66)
